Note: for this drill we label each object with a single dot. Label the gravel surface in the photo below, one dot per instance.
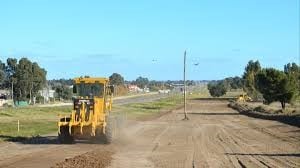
(96, 159)
(215, 136)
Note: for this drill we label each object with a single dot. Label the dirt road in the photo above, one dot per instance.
(215, 136)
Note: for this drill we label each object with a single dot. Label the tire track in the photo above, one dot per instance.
(244, 138)
(241, 139)
(243, 161)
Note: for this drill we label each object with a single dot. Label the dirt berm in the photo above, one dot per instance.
(290, 119)
(98, 158)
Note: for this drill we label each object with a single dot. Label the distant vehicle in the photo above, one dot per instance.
(146, 90)
(244, 98)
(164, 91)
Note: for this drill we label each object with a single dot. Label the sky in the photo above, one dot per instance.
(73, 38)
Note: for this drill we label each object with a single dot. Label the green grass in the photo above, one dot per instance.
(142, 110)
(33, 121)
(201, 91)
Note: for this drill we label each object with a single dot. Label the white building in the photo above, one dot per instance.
(47, 94)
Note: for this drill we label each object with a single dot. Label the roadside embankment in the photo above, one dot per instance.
(287, 118)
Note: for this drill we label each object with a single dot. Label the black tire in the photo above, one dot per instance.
(64, 136)
(100, 137)
(110, 130)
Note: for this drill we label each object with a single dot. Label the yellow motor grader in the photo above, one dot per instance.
(244, 98)
(90, 118)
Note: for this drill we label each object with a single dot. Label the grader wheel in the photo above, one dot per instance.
(64, 136)
(110, 130)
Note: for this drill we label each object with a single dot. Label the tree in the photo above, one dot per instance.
(251, 70)
(234, 82)
(2, 73)
(58, 82)
(141, 82)
(10, 69)
(275, 85)
(190, 83)
(11, 66)
(63, 92)
(217, 89)
(292, 70)
(2, 77)
(116, 79)
(28, 78)
(62, 88)
(23, 77)
(38, 79)
(157, 85)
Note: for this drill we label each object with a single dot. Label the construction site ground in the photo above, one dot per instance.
(214, 136)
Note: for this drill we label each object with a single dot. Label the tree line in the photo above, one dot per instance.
(62, 88)
(27, 78)
(63, 91)
(142, 82)
(267, 84)
(24, 77)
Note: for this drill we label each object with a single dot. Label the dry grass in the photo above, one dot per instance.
(274, 108)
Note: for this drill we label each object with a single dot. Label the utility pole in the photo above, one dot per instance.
(184, 91)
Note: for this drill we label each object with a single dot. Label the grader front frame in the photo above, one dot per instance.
(90, 116)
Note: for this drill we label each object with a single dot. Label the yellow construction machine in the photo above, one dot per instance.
(90, 117)
(244, 98)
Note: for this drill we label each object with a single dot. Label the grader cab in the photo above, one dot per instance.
(91, 109)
